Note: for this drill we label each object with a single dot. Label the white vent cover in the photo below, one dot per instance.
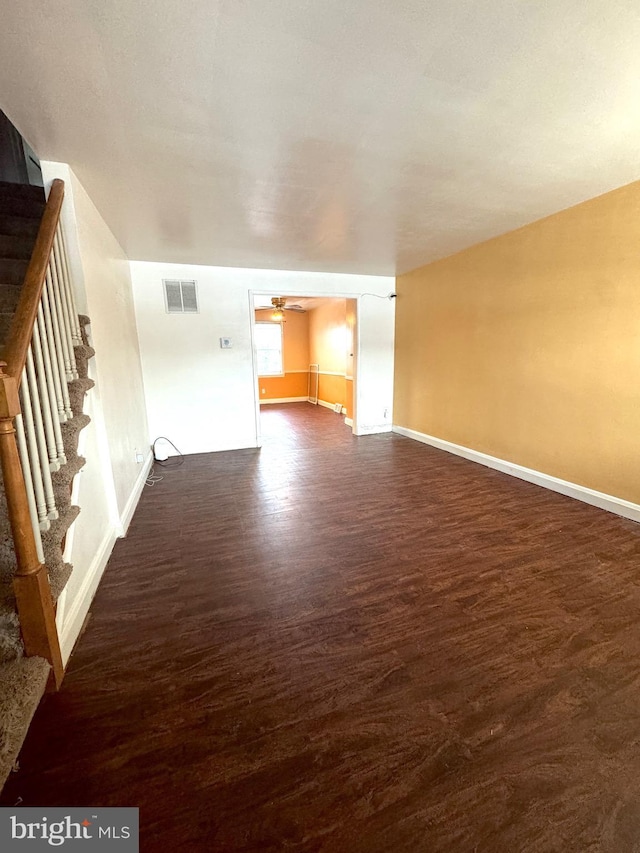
(180, 297)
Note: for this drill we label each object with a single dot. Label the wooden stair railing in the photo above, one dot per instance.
(48, 267)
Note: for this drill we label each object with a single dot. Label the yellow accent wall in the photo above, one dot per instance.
(527, 346)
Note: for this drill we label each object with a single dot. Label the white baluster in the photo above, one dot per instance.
(65, 307)
(43, 452)
(28, 482)
(57, 356)
(44, 406)
(34, 459)
(41, 343)
(68, 283)
(55, 300)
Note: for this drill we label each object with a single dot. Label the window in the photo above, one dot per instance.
(180, 297)
(269, 348)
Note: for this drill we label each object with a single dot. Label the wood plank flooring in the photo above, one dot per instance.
(355, 644)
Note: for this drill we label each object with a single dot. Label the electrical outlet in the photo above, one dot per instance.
(386, 414)
(139, 457)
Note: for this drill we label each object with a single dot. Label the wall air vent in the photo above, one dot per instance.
(180, 297)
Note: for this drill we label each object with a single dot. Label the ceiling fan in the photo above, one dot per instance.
(280, 306)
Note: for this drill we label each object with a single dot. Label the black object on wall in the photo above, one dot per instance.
(18, 162)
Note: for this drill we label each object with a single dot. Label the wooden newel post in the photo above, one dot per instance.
(30, 583)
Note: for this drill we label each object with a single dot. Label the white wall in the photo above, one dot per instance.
(108, 487)
(107, 284)
(203, 397)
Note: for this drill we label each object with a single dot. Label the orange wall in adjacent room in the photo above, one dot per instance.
(328, 336)
(348, 393)
(324, 335)
(527, 347)
(331, 389)
(329, 345)
(282, 387)
(295, 339)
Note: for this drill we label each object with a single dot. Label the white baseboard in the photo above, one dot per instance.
(284, 400)
(366, 429)
(134, 497)
(61, 609)
(564, 487)
(76, 614)
(331, 406)
(348, 421)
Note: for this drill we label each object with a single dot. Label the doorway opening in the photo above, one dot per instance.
(304, 355)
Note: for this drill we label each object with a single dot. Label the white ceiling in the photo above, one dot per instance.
(362, 136)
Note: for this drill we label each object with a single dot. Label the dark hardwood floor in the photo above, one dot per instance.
(355, 644)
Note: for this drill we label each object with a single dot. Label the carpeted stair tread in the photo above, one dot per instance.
(7, 554)
(5, 324)
(22, 684)
(70, 432)
(82, 353)
(63, 478)
(15, 246)
(9, 189)
(84, 322)
(77, 391)
(78, 422)
(20, 205)
(18, 226)
(83, 383)
(9, 296)
(65, 474)
(52, 540)
(58, 577)
(59, 527)
(12, 270)
(10, 640)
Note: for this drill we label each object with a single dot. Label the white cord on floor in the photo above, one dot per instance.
(153, 478)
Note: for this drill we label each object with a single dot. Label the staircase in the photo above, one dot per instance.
(21, 209)
(43, 381)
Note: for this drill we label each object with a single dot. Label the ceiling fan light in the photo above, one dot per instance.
(278, 303)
